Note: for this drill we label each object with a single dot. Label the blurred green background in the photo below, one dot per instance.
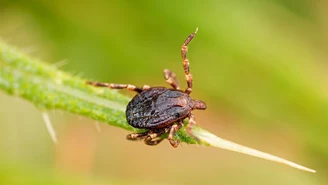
(261, 67)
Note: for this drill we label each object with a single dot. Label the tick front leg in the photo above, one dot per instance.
(137, 136)
(116, 86)
(173, 130)
(171, 78)
(153, 138)
(190, 126)
(185, 61)
(151, 141)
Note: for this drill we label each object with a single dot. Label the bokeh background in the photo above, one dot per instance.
(261, 67)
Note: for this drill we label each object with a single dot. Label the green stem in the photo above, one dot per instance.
(49, 88)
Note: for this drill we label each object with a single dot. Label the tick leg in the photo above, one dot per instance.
(174, 129)
(190, 126)
(137, 136)
(116, 86)
(154, 137)
(171, 78)
(145, 87)
(152, 142)
(185, 61)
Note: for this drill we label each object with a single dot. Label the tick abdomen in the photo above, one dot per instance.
(158, 107)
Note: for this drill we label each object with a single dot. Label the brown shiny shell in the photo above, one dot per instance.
(158, 107)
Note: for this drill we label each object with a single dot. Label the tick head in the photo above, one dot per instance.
(199, 105)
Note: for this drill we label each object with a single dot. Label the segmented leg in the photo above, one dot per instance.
(174, 129)
(171, 78)
(145, 87)
(191, 125)
(152, 142)
(137, 136)
(119, 86)
(153, 137)
(185, 61)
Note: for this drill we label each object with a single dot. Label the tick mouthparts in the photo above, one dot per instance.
(199, 105)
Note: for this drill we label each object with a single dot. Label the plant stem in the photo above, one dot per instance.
(49, 88)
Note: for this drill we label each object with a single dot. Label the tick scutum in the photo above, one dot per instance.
(158, 107)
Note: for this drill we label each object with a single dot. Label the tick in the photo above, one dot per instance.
(161, 110)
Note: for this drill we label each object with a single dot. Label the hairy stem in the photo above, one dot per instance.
(49, 88)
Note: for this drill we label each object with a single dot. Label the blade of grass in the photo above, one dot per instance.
(49, 88)
(215, 141)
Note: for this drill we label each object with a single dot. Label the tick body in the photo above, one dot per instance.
(158, 107)
(161, 110)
